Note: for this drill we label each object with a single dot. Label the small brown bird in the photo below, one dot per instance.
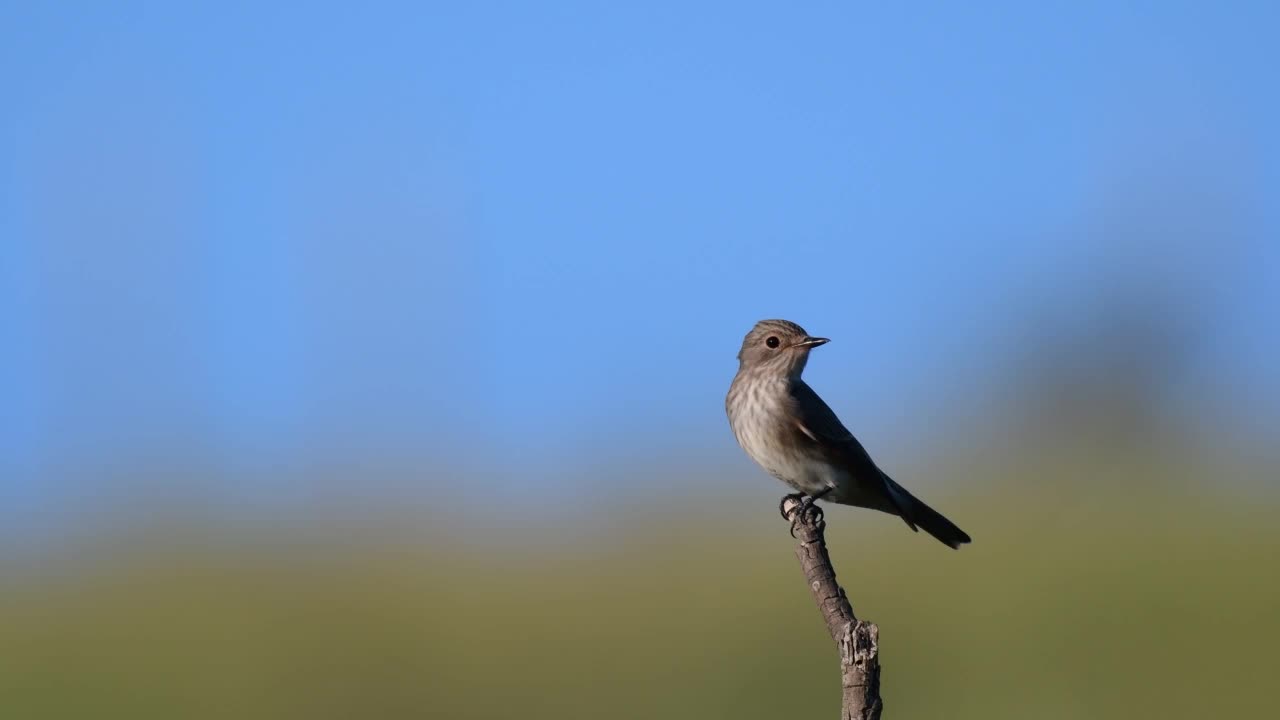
(790, 432)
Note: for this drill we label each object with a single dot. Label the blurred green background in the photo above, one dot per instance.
(1099, 592)
(370, 361)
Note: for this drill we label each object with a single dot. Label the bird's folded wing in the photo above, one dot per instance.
(820, 424)
(817, 421)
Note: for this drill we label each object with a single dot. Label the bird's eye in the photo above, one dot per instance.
(772, 342)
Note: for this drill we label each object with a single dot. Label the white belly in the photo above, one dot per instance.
(802, 472)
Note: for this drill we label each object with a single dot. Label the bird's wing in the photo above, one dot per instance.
(817, 421)
(820, 424)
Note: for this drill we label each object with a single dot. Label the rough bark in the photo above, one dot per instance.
(856, 640)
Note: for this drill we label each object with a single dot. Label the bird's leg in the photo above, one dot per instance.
(807, 512)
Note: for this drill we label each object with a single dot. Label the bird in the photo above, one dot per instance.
(787, 429)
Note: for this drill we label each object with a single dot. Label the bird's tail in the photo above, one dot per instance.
(918, 515)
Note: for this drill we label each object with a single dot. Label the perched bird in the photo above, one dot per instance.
(790, 432)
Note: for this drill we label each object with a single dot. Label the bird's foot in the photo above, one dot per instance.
(786, 500)
(801, 510)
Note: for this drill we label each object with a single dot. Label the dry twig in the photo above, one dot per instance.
(856, 640)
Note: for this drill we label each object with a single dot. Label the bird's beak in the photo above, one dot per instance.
(811, 342)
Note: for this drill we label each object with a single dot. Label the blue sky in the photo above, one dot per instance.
(508, 233)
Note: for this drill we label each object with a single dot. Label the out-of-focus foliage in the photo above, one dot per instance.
(1085, 594)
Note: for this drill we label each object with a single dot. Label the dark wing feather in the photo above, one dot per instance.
(819, 423)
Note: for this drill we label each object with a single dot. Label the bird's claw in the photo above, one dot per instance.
(807, 513)
(782, 504)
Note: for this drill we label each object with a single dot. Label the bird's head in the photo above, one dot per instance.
(777, 347)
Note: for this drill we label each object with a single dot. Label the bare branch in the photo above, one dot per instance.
(856, 640)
